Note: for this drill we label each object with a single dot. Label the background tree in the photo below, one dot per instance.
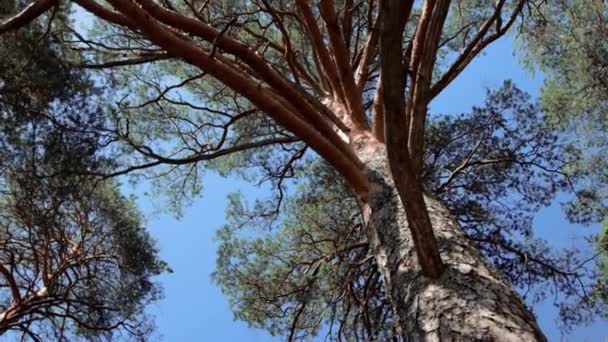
(75, 264)
(262, 82)
(567, 43)
(75, 260)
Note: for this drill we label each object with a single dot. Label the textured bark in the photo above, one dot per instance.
(469, 302)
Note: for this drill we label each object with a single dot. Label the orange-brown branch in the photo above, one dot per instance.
(334, 150)
(367, 56)
(310, 108)
(378, 114)
(325, 60)
(424, 54)
(408, 185)
(342, 63)
(420, 36)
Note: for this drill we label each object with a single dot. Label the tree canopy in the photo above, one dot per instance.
(75, 259)
(298, 95)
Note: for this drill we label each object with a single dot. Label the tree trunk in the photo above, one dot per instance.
(471, 301)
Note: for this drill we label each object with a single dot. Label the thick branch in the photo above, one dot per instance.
(395, 14)
(27, 15)
(369, 51)
(424, 55)
(342, 63)
(420, 37)
(312, 109)
(378, 112)
(319, 47)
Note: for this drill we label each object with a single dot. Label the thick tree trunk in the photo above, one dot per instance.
(469, 302)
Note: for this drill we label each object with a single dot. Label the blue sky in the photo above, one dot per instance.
(194, 309)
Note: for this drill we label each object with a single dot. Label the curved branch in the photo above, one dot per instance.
(311, 107)
(325, 141)
(27, 15)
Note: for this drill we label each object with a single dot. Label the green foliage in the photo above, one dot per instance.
(309, 270)
(31, 72)
(566, 40)
(76, 248)
(99, 234)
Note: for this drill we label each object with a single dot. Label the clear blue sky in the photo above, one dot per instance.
(194, 309)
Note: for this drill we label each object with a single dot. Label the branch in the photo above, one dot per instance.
(312, 81)
(209, 156)
(476, 46)
(321, 138)
(313, 110)
(459, 169)
(423, 57)
(27, 15)
(525, 257)
(378, 113)
(320, 48)
(11, 283)
(352, 97)
(106, 13)
(289, 53)
(420, 37)
(124, 62)
(395, 14)
(368, 53)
